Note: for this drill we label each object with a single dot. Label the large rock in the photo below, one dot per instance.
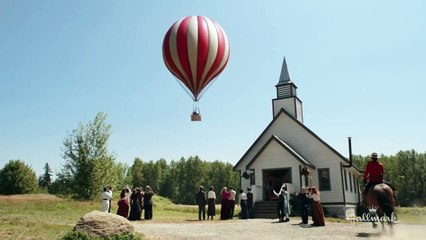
(101, 224)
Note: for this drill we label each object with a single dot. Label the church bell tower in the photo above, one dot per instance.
(287, 96)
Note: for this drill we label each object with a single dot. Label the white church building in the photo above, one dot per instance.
(287, 150)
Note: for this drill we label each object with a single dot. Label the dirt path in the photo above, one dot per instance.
(271, 229)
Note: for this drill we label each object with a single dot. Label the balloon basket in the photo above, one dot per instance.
(195, 117)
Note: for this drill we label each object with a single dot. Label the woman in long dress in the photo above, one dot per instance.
(135, 206)
(243, 205)
(123, 204)
(318, 213)
(283, 205)
(224, 209)
(211, 203)
(286, 204)
(280, 204)
(105, 200)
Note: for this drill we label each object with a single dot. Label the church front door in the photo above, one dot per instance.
(273, 180)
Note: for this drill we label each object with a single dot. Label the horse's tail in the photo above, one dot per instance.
(385, 203)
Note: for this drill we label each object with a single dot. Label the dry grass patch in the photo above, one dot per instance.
(28, 198)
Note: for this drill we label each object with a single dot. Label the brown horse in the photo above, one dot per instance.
(381, 203)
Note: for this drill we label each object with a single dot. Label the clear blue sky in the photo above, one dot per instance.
(360, 69)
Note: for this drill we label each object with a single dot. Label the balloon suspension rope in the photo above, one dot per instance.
(185, 88)
(195, 107)
(208, 86)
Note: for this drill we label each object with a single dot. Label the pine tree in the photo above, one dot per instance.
(45, 180)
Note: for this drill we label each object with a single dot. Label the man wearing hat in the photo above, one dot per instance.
(373, 173)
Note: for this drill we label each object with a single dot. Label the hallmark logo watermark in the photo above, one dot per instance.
(372, 209)
(372, 216)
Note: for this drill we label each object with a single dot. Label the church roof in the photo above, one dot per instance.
(287, 147)
(284, 76)
(282, 111)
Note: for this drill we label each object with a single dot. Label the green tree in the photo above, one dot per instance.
(152, 175)
(169, 185)
(136, 173)
(409, 176)
(45, 180)
(88, 165)
(422, 178)
(62, 184)
(124, 178)
(17, 178)
(186, 175)
(193, 175)
(222, 175)
(165, 181)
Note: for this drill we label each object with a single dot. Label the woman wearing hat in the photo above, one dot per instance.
(373, 173)
(147, 202)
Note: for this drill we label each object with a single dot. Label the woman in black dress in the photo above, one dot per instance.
(135, 206)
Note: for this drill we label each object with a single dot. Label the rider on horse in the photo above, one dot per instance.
(373, 173)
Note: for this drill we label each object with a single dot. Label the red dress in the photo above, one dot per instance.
(123, 207)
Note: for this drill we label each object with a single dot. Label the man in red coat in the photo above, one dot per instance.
(373, 173)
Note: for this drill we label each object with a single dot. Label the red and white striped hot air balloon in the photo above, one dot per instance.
(195, 50)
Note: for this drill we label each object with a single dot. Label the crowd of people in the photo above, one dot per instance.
(228, 200)
(131, 203)
(309, 200)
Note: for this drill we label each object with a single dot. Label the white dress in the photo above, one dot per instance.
(105, 197)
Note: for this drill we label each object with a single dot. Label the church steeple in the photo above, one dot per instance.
(285, 76)
(285, 87)
(287, 95)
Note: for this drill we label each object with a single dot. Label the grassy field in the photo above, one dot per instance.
(410, 215)
(48, 217)
(43, 216)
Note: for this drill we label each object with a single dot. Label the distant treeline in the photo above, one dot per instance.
(180, 180)
(406, 171)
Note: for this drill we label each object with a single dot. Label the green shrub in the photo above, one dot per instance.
(17, 178)
(122, 237)
(76, 235)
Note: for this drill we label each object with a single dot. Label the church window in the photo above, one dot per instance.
(324, 179)
(252, 178)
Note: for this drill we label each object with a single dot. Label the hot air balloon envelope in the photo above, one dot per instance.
(195, 50)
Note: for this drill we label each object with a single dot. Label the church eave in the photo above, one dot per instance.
(288, 148)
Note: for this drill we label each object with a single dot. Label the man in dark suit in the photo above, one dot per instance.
(200, 199)
(304, 202)
(250, 202)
